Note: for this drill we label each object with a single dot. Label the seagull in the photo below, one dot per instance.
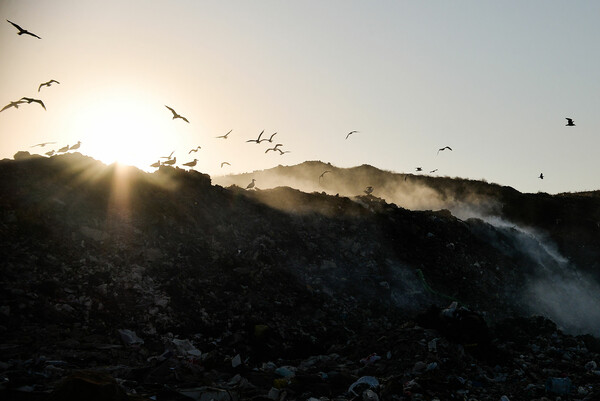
(41, 144)
(51, 153)
(167, 157)
(170, 162)
(323, 174)
(257, 140)
(281, 152)
(433, 171)
(49, 83)
(270, 139)
(14, 104)
(76, 146)
(444, 148)
(369, 190)
(63, 149)
(194, 150)
(191, 164)
(570, 122)
(541, 177)
(224, 136)
(23, 31)
(274, 148)
(155, 165)
(251, 185)
(225, 163)
(175, 115)
(350, 133)
(419, 169)
(29, 100)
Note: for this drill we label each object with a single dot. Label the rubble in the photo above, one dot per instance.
(202, 292)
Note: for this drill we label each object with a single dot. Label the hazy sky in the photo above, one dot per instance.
(492, 79)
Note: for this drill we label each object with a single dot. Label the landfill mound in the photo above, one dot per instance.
(117, 284)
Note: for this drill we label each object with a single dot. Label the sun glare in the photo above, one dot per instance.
(125, 130)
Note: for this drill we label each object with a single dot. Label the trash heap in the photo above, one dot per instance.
(121, 285)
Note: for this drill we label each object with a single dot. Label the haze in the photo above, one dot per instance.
(493, 80)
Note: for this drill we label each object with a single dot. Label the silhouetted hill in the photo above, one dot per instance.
(111, 266)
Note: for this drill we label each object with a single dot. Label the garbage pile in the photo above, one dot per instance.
(175, 289)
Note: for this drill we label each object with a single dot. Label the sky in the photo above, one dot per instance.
(493, 80)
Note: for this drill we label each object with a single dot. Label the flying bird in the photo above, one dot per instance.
(369, 190)
(49, 83)
(76, 146)
(433, 171)
(23, 31)
(224, 136)
(29, 100)
(155, 165)
(257, 140)
(541, 177)
(191, 164)
(281, 152)
(444, 148)
(167, 157)
(14, 104)
(323, 174)
(63, 149)
(42, 144)
(350, 133)
(170, 162)
(270, 139)
(175, 115)
(251, 185)
(419, 169)
(194, 150)
(51, 153)
(570, 122)
(225, 163)
(274, 147)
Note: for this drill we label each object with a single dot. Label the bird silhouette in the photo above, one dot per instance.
(433, 171)
(251, 185)
(274, 147)
(41, 144)
(175, 115)
(170, 162)
(167, 157)
(63, 149)
(155, 165)
(23, 31)
(49, 83)
(225, 163)
(191, 164)
(368, 190)
(257, 140)
(194, 150)
(350, 133)
(323, 174)
(76, 146)
(419, 169)
(224, 136)
(268, 140)
(570, 122)
(29, 100)
(14, 104)
(444, 148)
(541, 177)
(281, 152)
(51, 153)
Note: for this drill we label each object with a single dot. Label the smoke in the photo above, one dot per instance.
(554, 287)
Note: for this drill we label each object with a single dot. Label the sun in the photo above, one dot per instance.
(127, 130)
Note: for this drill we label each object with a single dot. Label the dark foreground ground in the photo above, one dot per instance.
(179, 290)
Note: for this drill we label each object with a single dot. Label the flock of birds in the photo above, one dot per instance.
(172, 160)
